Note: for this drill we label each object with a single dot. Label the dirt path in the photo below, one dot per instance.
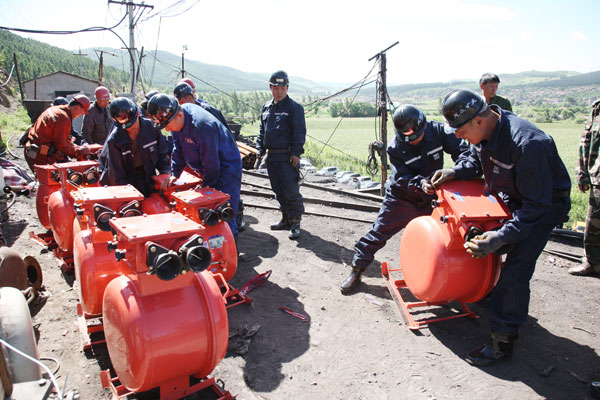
(350, 347)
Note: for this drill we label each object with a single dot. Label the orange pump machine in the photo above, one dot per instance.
(158, 203)
(434, 263)
(165, 320)
(212, 209)
(49, 182)
(94, 265)
(60, 203)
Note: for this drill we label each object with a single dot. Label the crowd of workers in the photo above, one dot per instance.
(517, 160)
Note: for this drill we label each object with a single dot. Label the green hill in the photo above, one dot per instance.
(37, 59)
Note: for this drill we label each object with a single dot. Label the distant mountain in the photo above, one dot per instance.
(161, 70)
(509, 84)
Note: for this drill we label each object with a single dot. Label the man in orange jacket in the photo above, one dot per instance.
(48, 140)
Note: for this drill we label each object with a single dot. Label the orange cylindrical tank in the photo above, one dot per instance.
(61, 212)
(49, 182)
(435, 264)
(435, 273)
(94, 268)
(156, 338)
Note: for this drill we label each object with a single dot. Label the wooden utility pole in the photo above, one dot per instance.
(80, 54)
(101, 67)
(183, 61)
(132, 22)
(382, 95)
(18, 77)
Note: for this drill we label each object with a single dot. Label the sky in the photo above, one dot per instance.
(332, 40)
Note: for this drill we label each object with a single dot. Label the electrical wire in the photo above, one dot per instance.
(91, 29)
(41, 364)
(9, 76)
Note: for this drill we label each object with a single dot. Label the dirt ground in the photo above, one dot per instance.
(350, 347)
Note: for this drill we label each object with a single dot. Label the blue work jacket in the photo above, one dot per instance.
(116, 158)
(282, 127)
(520, 162)
(206, 146)
(413, 163)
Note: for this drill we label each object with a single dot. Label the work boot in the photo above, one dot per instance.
(294, 228)
(499, 348)
(595, 389)
(585, 269)
(282, 225)
(352, 280)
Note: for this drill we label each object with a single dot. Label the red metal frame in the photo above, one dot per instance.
(172, 391)
(404, 306)
(63, 258)
(87, 326)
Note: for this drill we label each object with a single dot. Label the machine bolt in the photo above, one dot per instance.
(152, 249)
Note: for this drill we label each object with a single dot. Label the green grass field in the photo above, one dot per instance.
(353, 136)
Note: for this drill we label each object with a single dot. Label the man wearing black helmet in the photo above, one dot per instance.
(281, 138)
(201, 143)
(415, 153)
(134, 150)
(521, 164)
(186, 93)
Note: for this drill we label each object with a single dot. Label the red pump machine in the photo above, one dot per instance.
(94, 265)
(434, 263)
(49, 182)
(60, 203)
(165, 319)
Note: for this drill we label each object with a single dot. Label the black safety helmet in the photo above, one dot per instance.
(279, 78)
(162, 109)
(409, 123)
(124, 112)
(151, 93)
(183, 89)
(148, 96)
(59, 101)
(460, 106)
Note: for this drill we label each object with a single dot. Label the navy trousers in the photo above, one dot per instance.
(284, 182)
(395, 213)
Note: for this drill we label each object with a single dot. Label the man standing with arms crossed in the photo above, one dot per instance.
(281, 137)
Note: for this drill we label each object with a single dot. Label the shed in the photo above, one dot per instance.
(59, 83)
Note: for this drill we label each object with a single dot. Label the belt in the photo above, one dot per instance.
(559, 194)
(278, 151)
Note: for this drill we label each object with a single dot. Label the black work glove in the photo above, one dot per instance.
(484, 244)
(442, 175)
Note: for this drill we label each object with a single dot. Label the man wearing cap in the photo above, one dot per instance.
(281, 138)
(134, 150)
(48, 140)
(201, 143)
(185, 91)
(489, 86)
(415, 153)
(521, 164)
(97, 123)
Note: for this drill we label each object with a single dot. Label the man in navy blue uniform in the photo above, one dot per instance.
(203, 144)
(415, 153)
(134, 150)
(521, 164)
(281, 137)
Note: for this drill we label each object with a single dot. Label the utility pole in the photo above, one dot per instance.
(80, 64)
(382, 96)
(101, 67)
(132, 22)
(183, 61)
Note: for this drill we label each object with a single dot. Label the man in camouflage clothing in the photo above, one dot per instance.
(588, 178)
